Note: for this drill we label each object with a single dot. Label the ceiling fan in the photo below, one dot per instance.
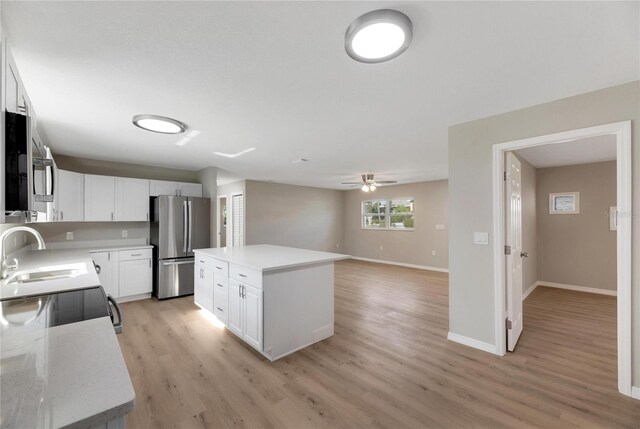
(369, 183)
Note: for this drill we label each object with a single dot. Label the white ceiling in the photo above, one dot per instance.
(580, 151)
(275, 76)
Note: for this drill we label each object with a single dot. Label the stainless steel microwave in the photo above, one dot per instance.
(29, 170)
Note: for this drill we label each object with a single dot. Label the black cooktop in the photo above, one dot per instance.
(55, 309)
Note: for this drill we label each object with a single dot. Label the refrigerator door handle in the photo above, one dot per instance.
(190, 233)
(181, 262)
(184, 226)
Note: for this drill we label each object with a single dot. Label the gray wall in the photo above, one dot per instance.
(208, 176)
(578, 249)
(409, 247)
(295, 216)
(529, 225)
(471, 287)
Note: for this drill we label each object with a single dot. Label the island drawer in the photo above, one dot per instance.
(220, 284)
(134, 254)
(220, 297)
(246, 275)
(220, 310)
(212, 264)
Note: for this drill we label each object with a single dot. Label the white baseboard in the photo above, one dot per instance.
(402, 264)
(480, 345)
(578, 288)
(635, 392)
(529, 290)
(133, 297)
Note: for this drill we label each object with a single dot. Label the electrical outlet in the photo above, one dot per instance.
(433, 253)
(381, 248)
(70, 235)
(125, 233)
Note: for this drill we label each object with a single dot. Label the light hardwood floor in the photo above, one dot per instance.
(389, 364)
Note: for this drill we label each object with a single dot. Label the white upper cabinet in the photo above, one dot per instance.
(99, 198)
(162, 187)
(132, 199)
(70, 198)
(190, 189)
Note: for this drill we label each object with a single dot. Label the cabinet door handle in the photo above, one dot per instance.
(242, 275)
(219, 284)
(220, 309)
(61, 215)
(219, 268)
(111, 215)
(240, 291)
(136, 254)
(149, 263)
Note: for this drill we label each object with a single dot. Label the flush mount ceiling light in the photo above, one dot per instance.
(159, 124)
(378, 36)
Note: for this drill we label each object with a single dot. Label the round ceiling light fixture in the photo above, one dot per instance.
(378, 36)
(159, 124)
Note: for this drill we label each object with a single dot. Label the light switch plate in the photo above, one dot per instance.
(70, 235)
(481, 238)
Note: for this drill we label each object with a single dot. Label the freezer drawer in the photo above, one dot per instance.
(175, 278)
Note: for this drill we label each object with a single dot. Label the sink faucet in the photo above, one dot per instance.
(5, 267)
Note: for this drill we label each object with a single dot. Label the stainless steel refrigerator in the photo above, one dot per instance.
(178, 225)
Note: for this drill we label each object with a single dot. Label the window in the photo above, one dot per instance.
(394, 214)
(564, 203)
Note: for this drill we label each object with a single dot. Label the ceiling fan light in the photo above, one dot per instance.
(372, 187)
(365, 188)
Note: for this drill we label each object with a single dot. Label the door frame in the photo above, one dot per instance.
(230, 218)
(622, 132)
(218, 228)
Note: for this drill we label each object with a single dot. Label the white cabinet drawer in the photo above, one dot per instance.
(220, 309)
(133, 254)
(246, 275)
(220, 268)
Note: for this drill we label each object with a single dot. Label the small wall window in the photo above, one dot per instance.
(564, 203)
(396, 214)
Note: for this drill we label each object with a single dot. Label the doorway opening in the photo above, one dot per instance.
(508, 246)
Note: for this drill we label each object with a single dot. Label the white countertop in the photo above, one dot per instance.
(50, 260)
(69, 375)
(265, 257)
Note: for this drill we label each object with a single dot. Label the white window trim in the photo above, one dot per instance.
(552, 205)
(387, 214)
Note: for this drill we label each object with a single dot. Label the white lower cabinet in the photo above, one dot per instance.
(203, 286)
(106, 264)
(245, 312)
(124, 273)
(135, 277)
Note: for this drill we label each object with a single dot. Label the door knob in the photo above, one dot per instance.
(524, 254)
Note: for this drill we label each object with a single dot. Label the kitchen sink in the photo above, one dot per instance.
(38, 276)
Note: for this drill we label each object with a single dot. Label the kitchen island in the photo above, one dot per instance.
(277, 299)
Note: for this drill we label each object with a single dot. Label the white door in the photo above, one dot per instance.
(252, 298)
(190, 189)
(513, 249)
(162, 187)
(235, 307)
(99, 198)
(70, 198)
(135, 277)
(104, 266)
(132, 199)
(237, 221)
